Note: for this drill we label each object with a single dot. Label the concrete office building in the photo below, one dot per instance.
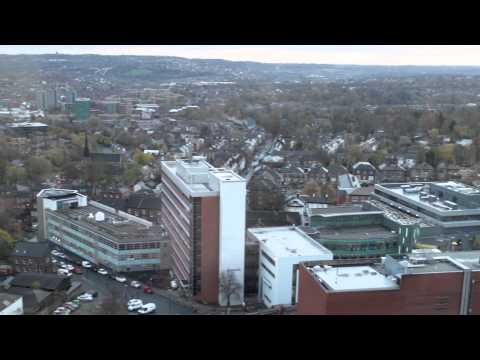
(454, 208)
(47, 100)
(203, 210)
(418, 285)
(100, 234)
(281, 249)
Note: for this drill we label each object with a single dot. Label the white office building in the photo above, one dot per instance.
(281, 249)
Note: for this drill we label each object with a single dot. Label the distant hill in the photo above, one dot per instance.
(153, 68)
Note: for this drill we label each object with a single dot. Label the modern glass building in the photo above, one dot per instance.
(361, 231)
(81, 108)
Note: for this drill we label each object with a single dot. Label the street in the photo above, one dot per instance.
(105, 286)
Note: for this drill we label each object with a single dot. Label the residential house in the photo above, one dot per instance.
(264, 194)
(319, 174)
(365, 172)
(32, 258)
(361, 194)
(334, 171)
(422, 172)
(145, 205)
(392, 173)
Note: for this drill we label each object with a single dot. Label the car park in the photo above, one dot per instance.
(121, 279)
(135, 284)
(102, 271)
(147, 309)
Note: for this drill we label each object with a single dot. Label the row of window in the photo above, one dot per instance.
(268, 270)
(269, 259)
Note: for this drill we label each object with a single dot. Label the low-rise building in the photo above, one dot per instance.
(32, 257)
(11, 304)
(281, 249)
(100, 234)
(417, 285)
(365, 172)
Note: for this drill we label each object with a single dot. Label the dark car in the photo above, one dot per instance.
(78, 271)
(148, 290)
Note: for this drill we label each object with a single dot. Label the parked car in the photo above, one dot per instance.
(64, 272)
(85, 297)
(135, 284)
(102, 271)
(62, 311)
(69, 267)
(71, 306)
(148, 290)
(54, 252)
(92, 293)
(121, 279)
(54, 261)
(78, 271)
(86, 264)
(134, 304)
(173, 284)
(147, 309)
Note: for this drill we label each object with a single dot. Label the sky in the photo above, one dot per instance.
(319, 54)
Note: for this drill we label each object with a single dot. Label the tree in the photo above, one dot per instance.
(229, 286)
(7, 244)
(312, 188)
(56, 157)
(132, 173)
(15, 175)
(142, 158)
(38, 168)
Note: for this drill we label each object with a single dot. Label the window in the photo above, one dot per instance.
(267, 270)
(269, 259)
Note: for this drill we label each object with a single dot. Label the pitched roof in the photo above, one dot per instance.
(29, 249)
(143, 201)
(47, 282)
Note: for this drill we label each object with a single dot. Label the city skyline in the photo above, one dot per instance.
(433, 55)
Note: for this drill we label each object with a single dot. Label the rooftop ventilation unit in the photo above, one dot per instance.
(90, 216)
(99, 216)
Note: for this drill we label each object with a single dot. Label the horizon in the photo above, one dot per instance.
(352, 55)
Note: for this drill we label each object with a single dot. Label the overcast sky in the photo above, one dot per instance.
(321, 54)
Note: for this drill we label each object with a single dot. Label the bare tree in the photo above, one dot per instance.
(229, 286)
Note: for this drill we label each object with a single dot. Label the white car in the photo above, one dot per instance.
(134, 304)
(69, 267)
(54, 261)
(62, 255)
(86, 264)
(54, 252)
(121, 279)
(62, 311)
(135, 284)
(173, 284)
(64, 272)
(102, 271)
(85, 297)
(147, 308)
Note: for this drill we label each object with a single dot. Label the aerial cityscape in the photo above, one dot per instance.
(239, 180)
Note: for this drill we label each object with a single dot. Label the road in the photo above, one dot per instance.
(267, 149)
(105, 286)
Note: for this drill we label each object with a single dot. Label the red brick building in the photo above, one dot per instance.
(435, 286)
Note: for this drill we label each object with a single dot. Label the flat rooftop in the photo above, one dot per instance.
(120, 227)
(199, 174)
(353, 278)
(356, 233)
(289, 241)
(57, 193)
(343, 210)
(27, 125)
(7, 299)
(415, 191)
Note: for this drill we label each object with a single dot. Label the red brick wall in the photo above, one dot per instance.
(210, 249)
(422, 294)
(475, 293)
